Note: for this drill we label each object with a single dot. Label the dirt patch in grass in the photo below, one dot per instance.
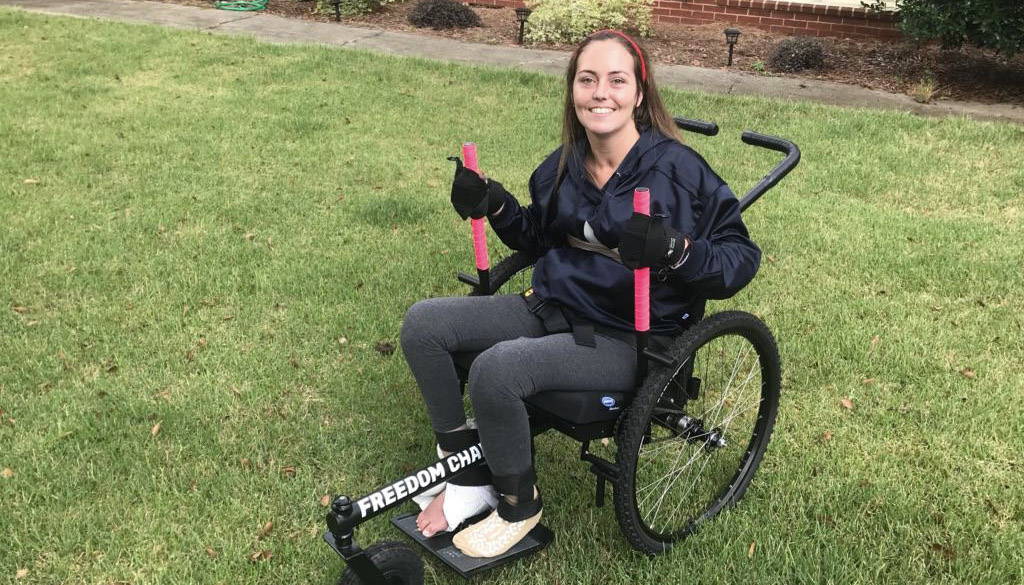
(924, 72)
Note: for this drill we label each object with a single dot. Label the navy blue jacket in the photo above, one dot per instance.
(722, 258)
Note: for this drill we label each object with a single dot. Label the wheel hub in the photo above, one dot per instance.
(692, 430)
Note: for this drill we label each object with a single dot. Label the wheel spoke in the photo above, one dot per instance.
(673, 471)
(690, 457)
(681, 476)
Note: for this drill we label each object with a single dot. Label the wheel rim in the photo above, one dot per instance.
(700, 452)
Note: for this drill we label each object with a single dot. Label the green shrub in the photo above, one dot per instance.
(797, 54)
(570, 21)
(992, 24)
(351, 7)
(438, 14)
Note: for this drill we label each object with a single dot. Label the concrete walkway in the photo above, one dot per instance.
(286, 30)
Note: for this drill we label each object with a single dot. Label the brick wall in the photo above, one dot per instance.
(794, 18)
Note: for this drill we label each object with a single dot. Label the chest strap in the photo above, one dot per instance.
(575, 242)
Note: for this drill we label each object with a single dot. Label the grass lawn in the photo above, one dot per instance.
(203, 238)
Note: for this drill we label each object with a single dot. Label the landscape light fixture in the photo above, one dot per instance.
(522, 14)
(731, 36)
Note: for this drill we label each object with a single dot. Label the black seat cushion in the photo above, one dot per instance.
(574, 406)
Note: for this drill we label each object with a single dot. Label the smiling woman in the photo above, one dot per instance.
(574, 329)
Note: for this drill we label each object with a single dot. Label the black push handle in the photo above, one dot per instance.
(698, 126)
(781, 170)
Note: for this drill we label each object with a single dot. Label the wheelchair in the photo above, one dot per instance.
(688, 439)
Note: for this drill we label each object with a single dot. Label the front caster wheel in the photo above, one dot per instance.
(396, 560)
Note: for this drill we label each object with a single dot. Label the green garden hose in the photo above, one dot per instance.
(241, 5)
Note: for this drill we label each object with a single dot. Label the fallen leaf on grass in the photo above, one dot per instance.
(31, 181)
(944, 550)
(991, 507)
(7, 473)
(750, 551)
(325, 500)
(21, 573)
(260, 555)
(245, 462)
(288, 471)
(384, 347)
(867, 381)
(826, 436)
(846, 403)
(211, 553)
(265, 531)
(155, 430)
(20, 309)
(968, 373)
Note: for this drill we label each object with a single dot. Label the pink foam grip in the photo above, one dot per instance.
(469, 156)
(642, 276)
(483, 261)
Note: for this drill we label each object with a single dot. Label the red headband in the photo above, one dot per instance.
(632, 43)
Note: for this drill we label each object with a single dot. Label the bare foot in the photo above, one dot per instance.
(431, 520)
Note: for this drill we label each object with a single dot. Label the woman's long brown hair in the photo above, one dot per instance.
(651, 111)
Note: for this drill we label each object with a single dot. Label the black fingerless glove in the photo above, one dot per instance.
(647, 242)
(473, 196)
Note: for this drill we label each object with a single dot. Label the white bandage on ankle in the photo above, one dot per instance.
(465, 501)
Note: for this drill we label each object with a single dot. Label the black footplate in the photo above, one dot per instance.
(440, 545)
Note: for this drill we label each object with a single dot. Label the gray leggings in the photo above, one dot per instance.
(519, 359)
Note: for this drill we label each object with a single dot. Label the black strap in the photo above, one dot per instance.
(583, 334)
(455, 441)
(549, 313)
(519, 511)
(558, 319)
(475, 475)
(522, 487)
(519, 485)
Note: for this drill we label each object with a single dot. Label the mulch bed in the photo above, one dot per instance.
(900, 67)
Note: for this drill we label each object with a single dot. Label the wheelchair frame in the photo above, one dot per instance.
(346, 514)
